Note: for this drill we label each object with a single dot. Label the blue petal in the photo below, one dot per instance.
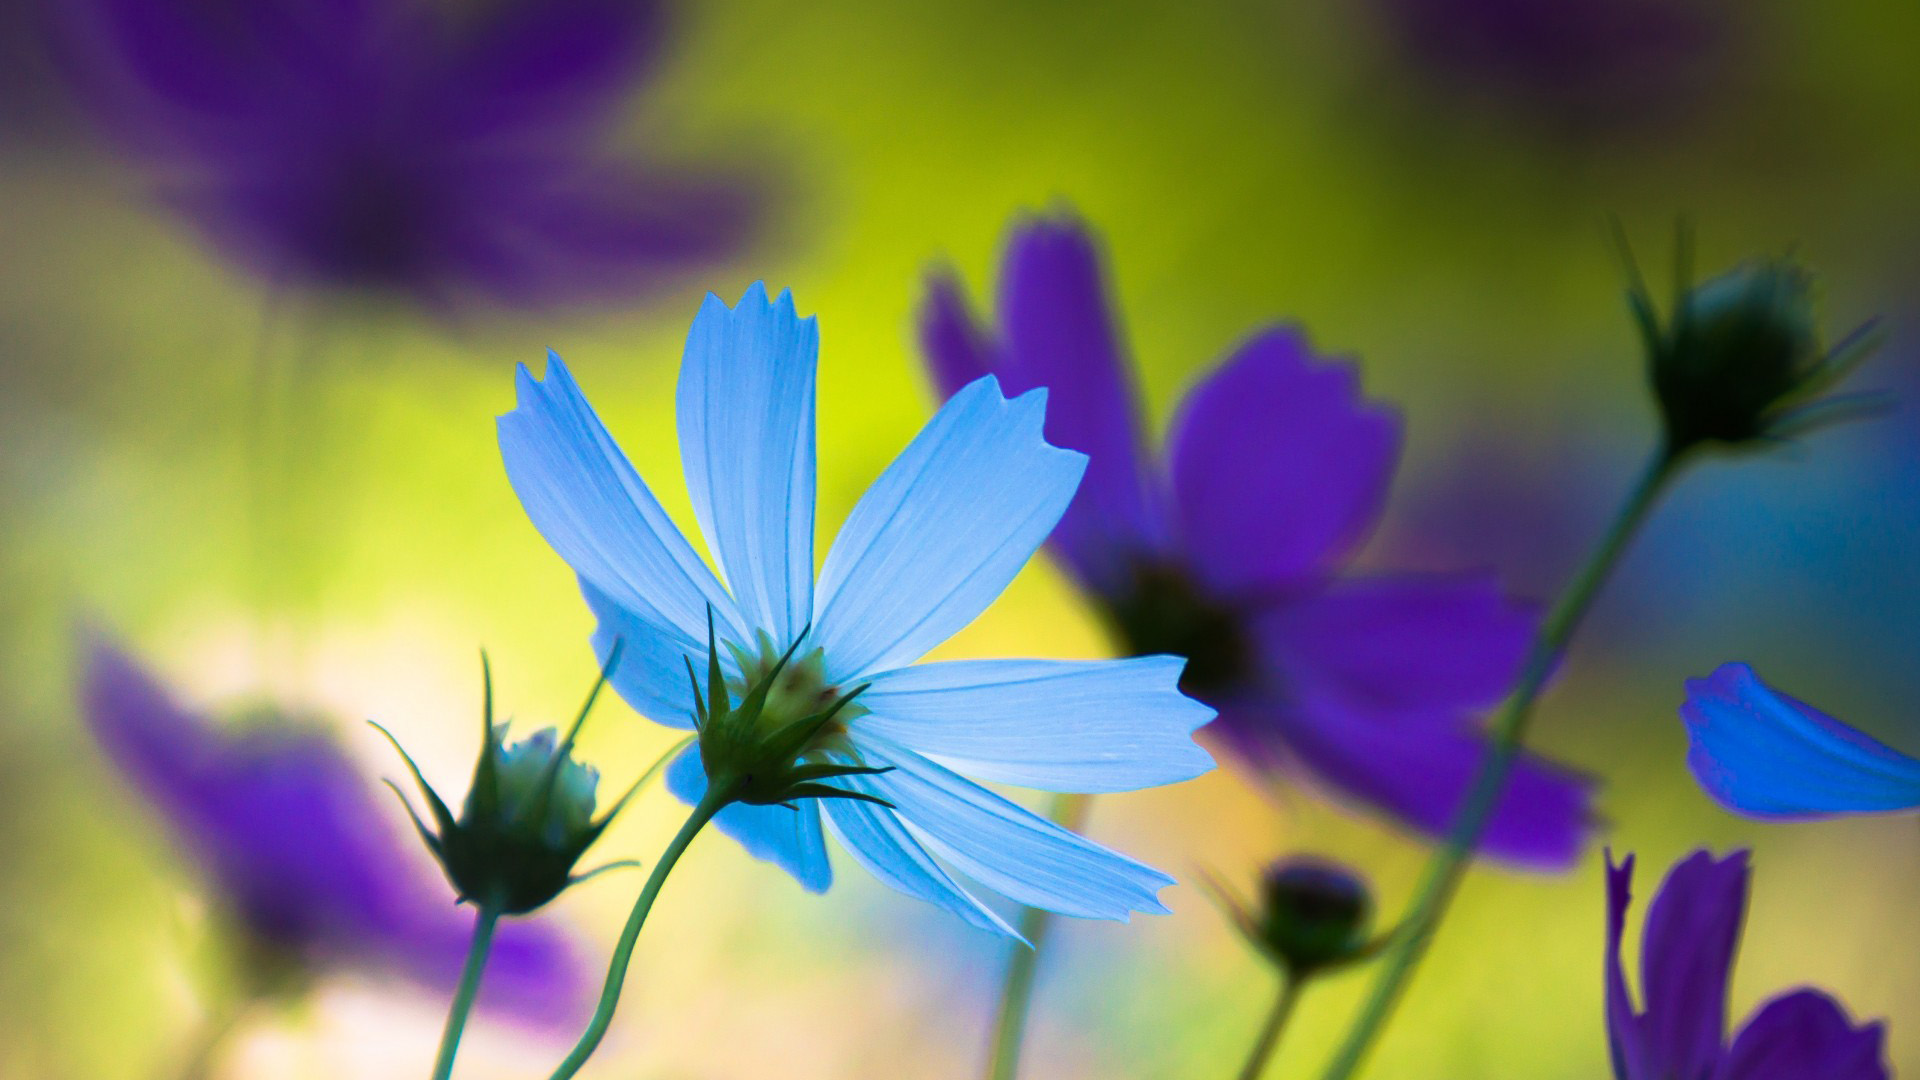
(1767, 755)
(942, 531)
(652, 673)
(746, 441)
(875, 838)
(1056, 725)
(790, 839)
(1007, 848)
(585, 498)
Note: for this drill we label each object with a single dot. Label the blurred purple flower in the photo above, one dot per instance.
(293, 844)
(1578, 64)
(399, 147)
(1233, 555)
(1530, 510)
(1686, 956)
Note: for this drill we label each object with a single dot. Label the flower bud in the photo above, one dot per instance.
(1741, 360)
(527, 820)
(1312, 915)
(774, 745)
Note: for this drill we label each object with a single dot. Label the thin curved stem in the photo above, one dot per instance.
(1507, 731)
(1276, 1022)
(1023, 965)
(717, 796)
(476, 966)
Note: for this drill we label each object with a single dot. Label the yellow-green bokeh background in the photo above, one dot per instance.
(1245, 162)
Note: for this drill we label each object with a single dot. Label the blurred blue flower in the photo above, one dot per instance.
(400, 147)
(1774, 757)
(296, 849)
(1686, 955)
(1232, 554)
(929, 546)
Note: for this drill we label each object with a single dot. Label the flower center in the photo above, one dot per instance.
(800, 689)
(1164, 611)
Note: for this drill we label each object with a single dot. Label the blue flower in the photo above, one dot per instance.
(401, 148)
(934, 541)
(1770, 756)
(1686, 956)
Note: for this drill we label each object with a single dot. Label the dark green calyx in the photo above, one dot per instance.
(1741, 360)
(528, 816)
(1312, 915)
(1162, 611)
(785, 738)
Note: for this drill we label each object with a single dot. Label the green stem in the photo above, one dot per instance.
(717, 796)
(476, 966)
(1263, 1047)
(1507, 732)
(1023, 966)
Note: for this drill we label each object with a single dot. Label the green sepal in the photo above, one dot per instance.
(717, 704)
(483, 796)
(1639, 298)
(426, 834)
(1831, 412)
(825, 791)
(699, 706)
(442, 816)
(618, 864)
(1841, 361)
(807, 773)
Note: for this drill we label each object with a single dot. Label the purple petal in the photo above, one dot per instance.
(1686, 956)
(1770, 756)
(542, 70)
(291, 838)
(1058, 332)
(393, 148)
(1623, 1025)
(1805, 1035)
(1279, 465)
(958, 349)
(535, 975)
(1415, 768)
(1419, 643)
(568, 231)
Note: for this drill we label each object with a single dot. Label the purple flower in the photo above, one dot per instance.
(1774, 757)
(292, 843)
(1576, 65)
(1686, 955)
(1232, 555)
(400, 148)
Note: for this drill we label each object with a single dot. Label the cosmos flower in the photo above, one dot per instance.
(1686, 955)
(929, 546)
(400, 148)
(1232, 553)
(1774, 757)
(295, 847)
